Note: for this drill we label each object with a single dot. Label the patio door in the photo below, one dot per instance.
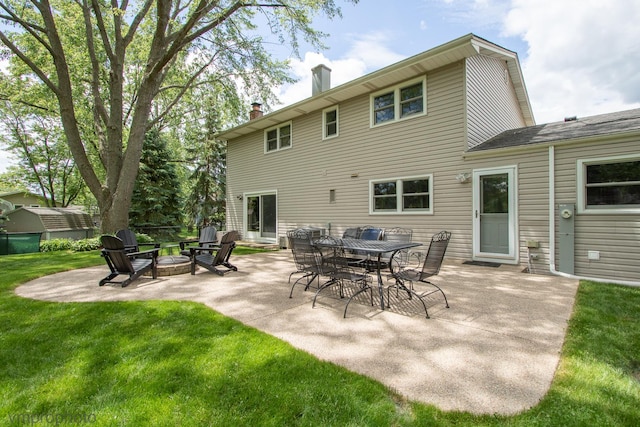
(261, 217)
(494, 215)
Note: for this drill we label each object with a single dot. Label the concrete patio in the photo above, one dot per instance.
(494, 351)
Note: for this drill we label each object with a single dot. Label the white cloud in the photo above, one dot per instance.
(367, 53)
(583, 55)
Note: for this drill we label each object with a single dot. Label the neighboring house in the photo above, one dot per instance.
(53, 223)
(23, 198)
(445, 140)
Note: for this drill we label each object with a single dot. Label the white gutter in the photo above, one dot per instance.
(552, 231)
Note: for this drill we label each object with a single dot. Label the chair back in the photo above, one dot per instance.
(370, 233)
(304, 253)
(400, 235)
(208, 236)
(227, 243)
(331, 255)
(115, 254)
(351, 233)
(129, 239)
(435, 255)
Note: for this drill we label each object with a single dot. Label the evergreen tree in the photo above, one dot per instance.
(156, 197)
(206, 201)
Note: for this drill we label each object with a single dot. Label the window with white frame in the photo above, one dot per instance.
(330, 123)
(401, 102)
(409, 195)
(277, 138)
(609, 185)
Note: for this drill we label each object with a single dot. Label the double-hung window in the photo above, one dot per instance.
(330, 123)
(277, 138)
(398, 103)
(409, 195)
(609, 185)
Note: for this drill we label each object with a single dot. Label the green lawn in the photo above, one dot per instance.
(181, 363)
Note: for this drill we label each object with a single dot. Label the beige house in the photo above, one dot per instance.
(445, 140)
(23, 199)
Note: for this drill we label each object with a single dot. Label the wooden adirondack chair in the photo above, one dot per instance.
(130, 241)
(208, 239)
(122, 262)
(215, 259)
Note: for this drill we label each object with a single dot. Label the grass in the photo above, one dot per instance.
(181, 363)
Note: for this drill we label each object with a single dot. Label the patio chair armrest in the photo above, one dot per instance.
(154, 252)
(187, 242)
(195, 249)
(154, 244)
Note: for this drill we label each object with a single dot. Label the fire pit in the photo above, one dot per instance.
(170, 265)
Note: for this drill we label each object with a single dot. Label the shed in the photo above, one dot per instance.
(53, 223)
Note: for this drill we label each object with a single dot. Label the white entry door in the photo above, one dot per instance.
(494, 215)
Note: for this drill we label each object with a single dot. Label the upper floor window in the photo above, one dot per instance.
(609, 185)
(330, 122)
(411, 195)
(277, 138)
(401, 102)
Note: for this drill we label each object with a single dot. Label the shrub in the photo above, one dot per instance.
(70, 245)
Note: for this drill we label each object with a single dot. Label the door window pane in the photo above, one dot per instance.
(495, 194)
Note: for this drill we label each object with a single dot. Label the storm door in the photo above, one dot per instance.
(494, 215)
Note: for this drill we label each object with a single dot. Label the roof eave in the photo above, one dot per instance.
(448, 53)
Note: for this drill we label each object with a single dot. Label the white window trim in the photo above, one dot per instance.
(581, 180)
(278, 127)
(396, 104)
(335, 108)
(399, 195)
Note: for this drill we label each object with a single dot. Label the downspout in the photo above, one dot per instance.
(552, 231)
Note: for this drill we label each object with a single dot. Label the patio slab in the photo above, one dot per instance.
(494, 351)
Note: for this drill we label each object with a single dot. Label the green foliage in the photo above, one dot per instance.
(206, 203)
(83, 245)
(109, 74)
(181, 363)
(156, 200)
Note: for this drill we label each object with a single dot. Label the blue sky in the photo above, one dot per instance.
(579, 57)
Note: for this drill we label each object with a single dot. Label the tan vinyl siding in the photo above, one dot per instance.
(492, 104)
(616, 237)
(532, 199)
(303, 175)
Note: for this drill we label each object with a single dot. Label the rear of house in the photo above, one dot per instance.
(414, 145)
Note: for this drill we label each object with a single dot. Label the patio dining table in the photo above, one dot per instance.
(377, 247)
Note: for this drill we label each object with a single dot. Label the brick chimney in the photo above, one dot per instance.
(321, 79)
(256, 112)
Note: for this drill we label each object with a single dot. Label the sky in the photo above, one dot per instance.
(578, 57)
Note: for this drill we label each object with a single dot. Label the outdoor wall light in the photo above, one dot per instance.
(463, 177)
(239, 197)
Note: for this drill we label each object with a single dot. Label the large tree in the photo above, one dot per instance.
(110, 64)
(45, 165)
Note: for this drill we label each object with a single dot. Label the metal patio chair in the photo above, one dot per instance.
(363, 259)
(305, 256)
(430, 268)
(335, 266)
